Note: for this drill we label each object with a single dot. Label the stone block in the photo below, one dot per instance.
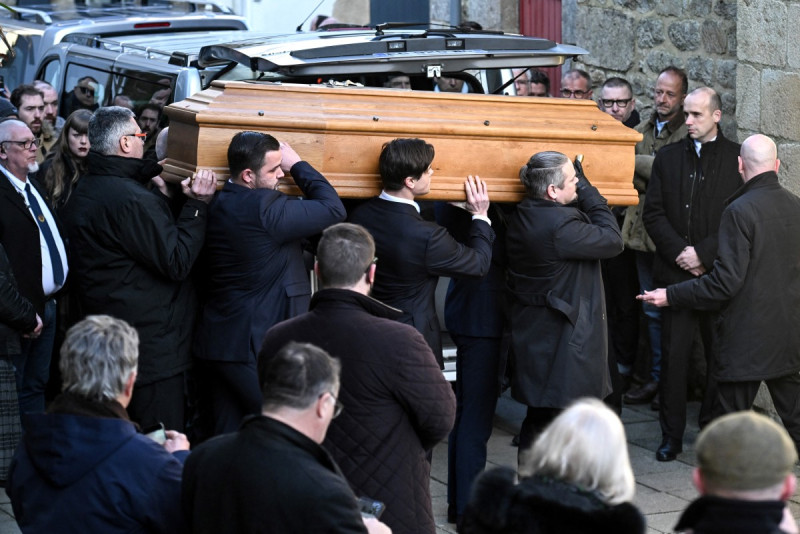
(657, 60)
(649, 33)
(667, 8)
(780, 103)
(728, 127)
(685, 35)
(714, 37)
(726, 9)
(793, 57)
(789, 173)
(488, 14)
(726, 73)
(643, 6)
(700, 69)
(596, 29)
(698, 8)
(762, 32)
(748, 97)
(569, 8)
(440, 10)
(728, 103)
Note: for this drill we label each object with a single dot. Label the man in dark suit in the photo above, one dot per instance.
(415, 252)
(32, 239)
(257, 275)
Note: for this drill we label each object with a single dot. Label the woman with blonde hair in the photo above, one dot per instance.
(67, 161)
(576, 478)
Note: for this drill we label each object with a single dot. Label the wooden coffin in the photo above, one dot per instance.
(340, 131)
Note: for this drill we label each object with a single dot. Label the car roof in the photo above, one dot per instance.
(411, 51)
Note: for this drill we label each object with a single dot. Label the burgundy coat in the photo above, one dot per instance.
(397, 404)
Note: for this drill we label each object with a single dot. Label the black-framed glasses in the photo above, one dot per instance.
(26, 145)
(567, 93)
(337, 406)
(622, 102)
(86, 90)
(140, 135)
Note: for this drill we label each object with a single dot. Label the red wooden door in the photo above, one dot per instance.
(542, 18)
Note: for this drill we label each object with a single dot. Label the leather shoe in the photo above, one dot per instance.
(656, 404)
(643, 394)
(669, 450)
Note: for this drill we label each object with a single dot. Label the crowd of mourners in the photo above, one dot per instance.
(137, 316)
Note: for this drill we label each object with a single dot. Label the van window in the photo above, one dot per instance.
(50, 71)
(84, 88)
(143, 87)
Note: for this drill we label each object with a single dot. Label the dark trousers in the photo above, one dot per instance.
(536, 420)
(477, 387)
(785, 393)
(32, 365)
(621, 285)
(160, 402)
(677, 336)
(228, 392)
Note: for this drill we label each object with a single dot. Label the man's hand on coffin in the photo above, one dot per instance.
(201, 186)
(477, 196)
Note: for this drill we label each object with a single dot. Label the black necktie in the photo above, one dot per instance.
(55, 256)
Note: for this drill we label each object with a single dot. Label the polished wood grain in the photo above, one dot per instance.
(340, 131)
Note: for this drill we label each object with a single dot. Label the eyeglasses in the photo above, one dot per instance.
(86, 90)
(578, 93)
(373, 262)
(337, 406)
(26, 145)
(140, 135)
(622, 102)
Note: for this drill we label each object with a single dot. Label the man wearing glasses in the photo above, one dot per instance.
(30, 233)
(133, 259)
(31, 110)
(399, 404)
(82, 96)
(276, 475)
(616, 99)
(576, 84)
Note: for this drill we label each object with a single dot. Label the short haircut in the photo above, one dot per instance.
(344, 254)
(153, 107)
(25, 89)
(98, 356)
(9, 124)
(744, 451)
(616, 81)
(106, 127)
(680, 73)
(161, 143)
(578, 73)
(537, 76)
(87, 78)
(401, 158)
(41, 83)
(296, 376)
(585, 446)
(542, 170)
(247, 150)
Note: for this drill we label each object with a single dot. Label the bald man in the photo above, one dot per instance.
(756, 281)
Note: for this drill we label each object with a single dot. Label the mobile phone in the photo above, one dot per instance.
(157, 433)
(370, 507)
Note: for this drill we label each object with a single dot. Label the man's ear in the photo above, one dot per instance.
(697, 479)
(409, 182)
(551, 192)
(371, 274)
(789, 485)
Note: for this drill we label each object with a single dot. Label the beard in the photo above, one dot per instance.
(33, 167)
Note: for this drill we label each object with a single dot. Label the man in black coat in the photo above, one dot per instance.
(689, 183)
(32, 238)
(132, 259)
(272, 476)
(257, 276)
(415, 253)
(756, 280)
(398, 403)
(555, 241)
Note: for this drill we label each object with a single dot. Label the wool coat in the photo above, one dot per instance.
(685, 200)
(558, 319)
(756, 280)
(397, 404)
(132, 260)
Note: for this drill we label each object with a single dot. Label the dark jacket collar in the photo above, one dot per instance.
(711, 515)
(141, 170)
(765, 179)
(352, 299)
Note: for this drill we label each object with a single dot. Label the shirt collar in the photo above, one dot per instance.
(386, 196)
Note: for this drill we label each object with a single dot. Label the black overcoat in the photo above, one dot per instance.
(756, 279)
(558, 316)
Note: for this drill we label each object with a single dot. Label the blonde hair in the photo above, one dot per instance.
(585, 446)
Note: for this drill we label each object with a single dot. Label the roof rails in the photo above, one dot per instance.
(43, 13)
(173, 58)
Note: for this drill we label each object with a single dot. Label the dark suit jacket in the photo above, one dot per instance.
(19, 235)
(254, 256)
(413, 254)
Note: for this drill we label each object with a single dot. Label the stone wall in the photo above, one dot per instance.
(502, 15)
(768, 91)
(635, 39)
